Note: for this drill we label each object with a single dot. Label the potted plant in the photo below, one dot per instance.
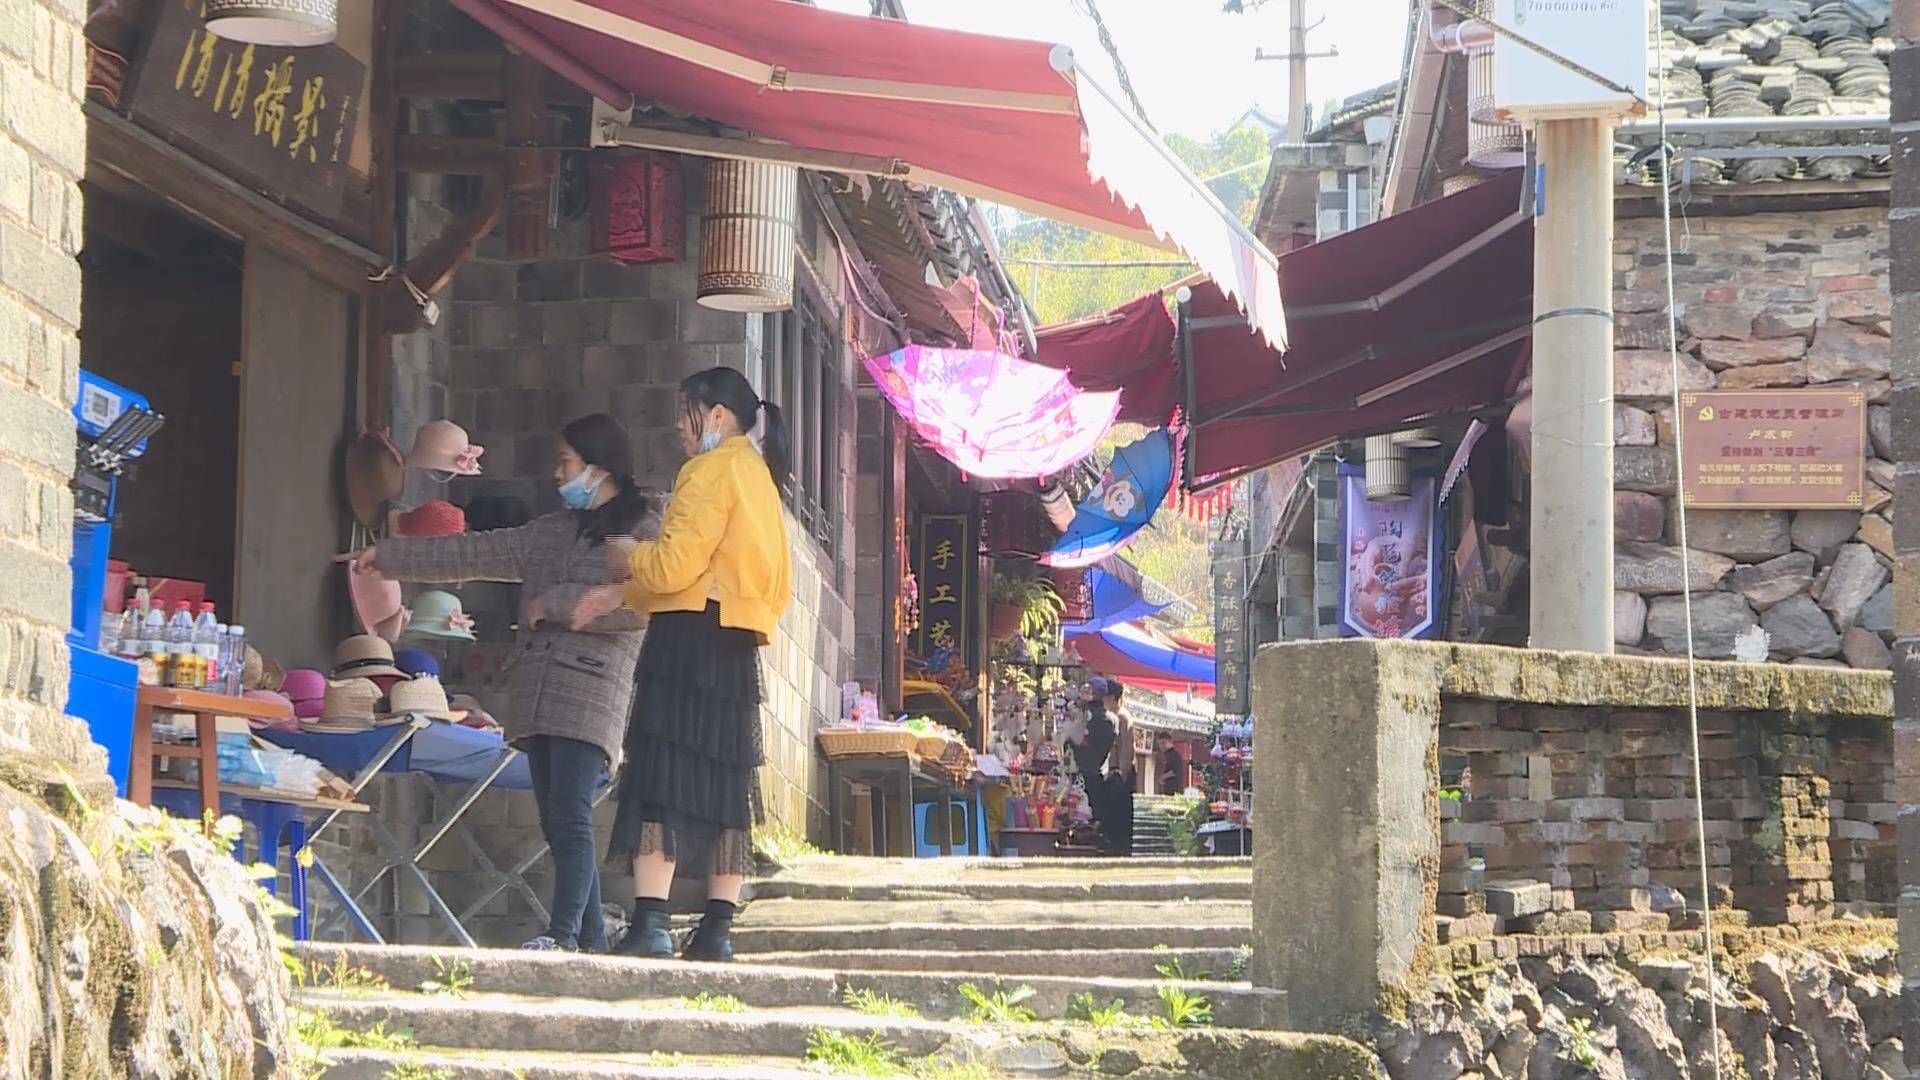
(1029, 607)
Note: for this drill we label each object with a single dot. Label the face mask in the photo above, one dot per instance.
(576, 493)
(709, 441)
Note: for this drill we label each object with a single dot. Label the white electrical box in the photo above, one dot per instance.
(1607, 37)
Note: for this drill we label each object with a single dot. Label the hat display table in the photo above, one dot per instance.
(203, 707)
(441, 752)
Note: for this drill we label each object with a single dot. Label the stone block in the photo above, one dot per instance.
(1552, 923)
(1797, 627)
(1723, 321)
(1823, 531)
(1719, 618)
(1622, 922)
(1629, 617)
(1857, 575)
(1768, 583)
(1745, 535)
(1654, 570)
(1785, 323)
(1514, 898)
(1644, 468)
(1764, 376)
(1642, 374)
(1639, 516)
(1865, 650)
(1722, 355)
(1459, 905)
(1842, 352)
(1466, 927)
(1633, 427)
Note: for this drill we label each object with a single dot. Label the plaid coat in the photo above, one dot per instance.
(577, 685)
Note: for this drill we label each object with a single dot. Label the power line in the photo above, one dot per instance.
(1092, 10)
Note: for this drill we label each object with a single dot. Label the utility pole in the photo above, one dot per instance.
(1296, 57)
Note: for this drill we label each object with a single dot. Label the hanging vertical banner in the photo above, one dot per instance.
(944, 559)
(1230, 642)
(1387, 589)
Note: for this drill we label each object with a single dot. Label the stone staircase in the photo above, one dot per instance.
(858, 964)
(1150, 835)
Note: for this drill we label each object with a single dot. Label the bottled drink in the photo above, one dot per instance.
(133, 625)
(109, 642)
(153, 633)
(234, 670)
(222, 661)
(180, 655)
(206, 648)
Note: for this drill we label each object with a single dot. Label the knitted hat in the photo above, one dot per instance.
(436, 518)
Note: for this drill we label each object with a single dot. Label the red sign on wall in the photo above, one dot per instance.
(1774, 449)
(639, 211)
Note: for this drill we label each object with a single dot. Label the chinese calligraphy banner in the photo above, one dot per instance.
(944, 560)
(1230, 640)
(280, 119)
(1774, 449)
(1387, 588)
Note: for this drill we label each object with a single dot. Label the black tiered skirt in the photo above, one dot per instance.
(693, 743)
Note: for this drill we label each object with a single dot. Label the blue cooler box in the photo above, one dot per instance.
(101, 693)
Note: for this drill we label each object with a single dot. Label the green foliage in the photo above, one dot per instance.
(413, 1070)
(707, 1001)
(868, 1003)
(1175, 970)
(1241, 958)
(1086, 1009)
(452, 978)
(781, 844)
(1040, 605)
(1183, 824)
(1183, 1009)
(841, 1054)
(1000, 1007)
(341, 975)
(1582, 1050)
(314, 1028)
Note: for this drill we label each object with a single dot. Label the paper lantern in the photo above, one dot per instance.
(282, 23)
(638, 208)
(747, 236)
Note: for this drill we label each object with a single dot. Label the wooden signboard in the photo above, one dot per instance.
(281, 120)
(945, 559)
(1774, 449)
(1230, 641)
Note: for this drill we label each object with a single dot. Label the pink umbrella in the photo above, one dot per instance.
(993, 415)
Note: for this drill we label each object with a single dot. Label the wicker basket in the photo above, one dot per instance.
(932, 747)
(841, 744)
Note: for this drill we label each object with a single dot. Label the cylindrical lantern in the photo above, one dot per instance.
(1388, 479)
(746, 236)
(1418, 438)
(1490, 143)
(1459, 182)
(280, 23)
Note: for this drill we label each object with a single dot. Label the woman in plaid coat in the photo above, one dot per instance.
(568, 689)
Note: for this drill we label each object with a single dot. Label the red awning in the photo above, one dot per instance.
(1421, 314)
(1129, 349)
(1102, 658)
(1013, 122)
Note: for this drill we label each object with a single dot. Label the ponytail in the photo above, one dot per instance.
(776, 445)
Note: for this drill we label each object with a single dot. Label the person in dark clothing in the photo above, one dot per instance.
(1171, 774)
(1116, 825)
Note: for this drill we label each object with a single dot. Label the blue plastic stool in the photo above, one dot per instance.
(966, 824)
(278, 827)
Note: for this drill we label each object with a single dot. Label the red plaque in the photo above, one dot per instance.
(1774, 449)
(639, 213)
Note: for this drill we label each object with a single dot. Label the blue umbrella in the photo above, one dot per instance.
(1141, 647)
(1114, 602)
(1125, 500)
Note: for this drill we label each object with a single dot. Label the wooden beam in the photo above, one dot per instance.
(373, 397)
(144, 227)
(527, 165)
(472, 77)
(222, 203)
(435, 265)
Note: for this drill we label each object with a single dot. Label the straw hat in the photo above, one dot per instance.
(438, 615)
(442, 446)
(376, 603)
(307, 690)
(423, 696)
(376, 474)
(435, 518)
(364, 656)
(350, 705)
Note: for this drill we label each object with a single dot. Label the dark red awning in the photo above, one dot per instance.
(1014, 122)
(1129, 349)
(1421, 314)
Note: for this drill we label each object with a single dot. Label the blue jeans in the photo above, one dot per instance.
(565, 773)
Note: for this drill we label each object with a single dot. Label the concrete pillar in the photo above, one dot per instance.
(1343, 897)
(1572, 539)
(1906, 453)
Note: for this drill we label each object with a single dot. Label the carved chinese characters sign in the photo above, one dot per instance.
(280, 119)
(945, 562)
(1774, 449)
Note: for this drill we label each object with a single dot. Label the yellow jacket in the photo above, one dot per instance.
(725, 536)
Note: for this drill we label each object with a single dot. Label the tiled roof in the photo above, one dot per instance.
(1767, 58)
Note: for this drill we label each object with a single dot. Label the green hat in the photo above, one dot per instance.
(438, 614)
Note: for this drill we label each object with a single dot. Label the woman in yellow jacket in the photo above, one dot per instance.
(714, 584)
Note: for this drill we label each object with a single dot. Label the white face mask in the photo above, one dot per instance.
(709, 441)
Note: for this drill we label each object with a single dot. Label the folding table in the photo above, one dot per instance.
(445, 752)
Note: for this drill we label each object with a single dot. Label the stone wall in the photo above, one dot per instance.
(43, 149)
(1579, 800)
(1764, 301)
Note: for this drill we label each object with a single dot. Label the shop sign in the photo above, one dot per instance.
(945, 563)
(637, 210)
(1539, 77)
(1774, 449)
(1230, 641)
(281, 119)
(1387, 585)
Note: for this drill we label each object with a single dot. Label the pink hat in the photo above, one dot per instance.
(442, 446)
(306, 689)
(376, 602)
(436, 518)
(291, 723)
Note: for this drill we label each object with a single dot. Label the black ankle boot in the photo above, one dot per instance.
(712, 940)
(648, 936)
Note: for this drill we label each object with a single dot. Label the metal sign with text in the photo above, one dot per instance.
(944, 562)
(1774, 449)
(279, 119)
(1231, 693)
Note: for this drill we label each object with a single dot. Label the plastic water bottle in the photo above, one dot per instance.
(206, 648)
(153, 632)
(180, 654)
(233, 669)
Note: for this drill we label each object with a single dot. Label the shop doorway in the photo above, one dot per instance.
(161, 315)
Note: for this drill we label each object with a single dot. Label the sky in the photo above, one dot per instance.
(1191, 63)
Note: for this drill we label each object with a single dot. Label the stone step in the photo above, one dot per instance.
(957, 912)
(1011, 936)
(1083, 963)
(912, 872)
(1207, 887)
(444, 1064)
(810, 984)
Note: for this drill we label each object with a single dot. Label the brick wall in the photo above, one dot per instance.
(1764, 300)
(42, 157)
(1597, 805)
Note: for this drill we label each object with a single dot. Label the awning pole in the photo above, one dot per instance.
(1419, 277)
(1183, 342)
